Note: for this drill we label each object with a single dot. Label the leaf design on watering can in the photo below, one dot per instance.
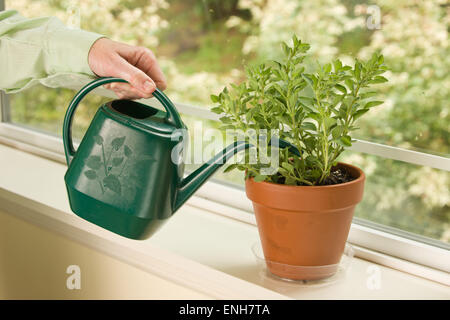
(117, 143)
(113, 166)
(94, 162)
(112, 182)
(98, 139)
(91, 174)
(127, 151)
(117, 161)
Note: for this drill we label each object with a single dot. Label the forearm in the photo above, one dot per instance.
(41, 50)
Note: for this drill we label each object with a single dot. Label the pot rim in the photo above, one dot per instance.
(361, 177)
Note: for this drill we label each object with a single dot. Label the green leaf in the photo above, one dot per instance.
(98, 139)
(345, 141)
(336, 132)
(372, 104)
(337, 65)
(127, 151)
(283, 172)
(112, 182)
(378, 79)
(329, 122)
(357, 71)
(94, 162)
(117, 161)
(341, 88)
(117, 143)
(230, 167)
(308, 79)
(343, 111)
(290, 181)
(295, 40)
(306, 101)
(217, 110)
(350, 84)
(214, 98)
(260, 178)
(312, 160)
(310, 143)
(359, 113)
(289, 167)
(315, 115)
(90, 174)
(285, 48)
(225, 120)
(299, 164)
(308, 126)
(366, 95)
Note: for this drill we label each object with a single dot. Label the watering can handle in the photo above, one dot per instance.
(172, 117)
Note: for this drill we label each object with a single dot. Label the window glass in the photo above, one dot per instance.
(203, 45)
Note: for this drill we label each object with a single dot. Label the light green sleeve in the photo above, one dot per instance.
(42, 50)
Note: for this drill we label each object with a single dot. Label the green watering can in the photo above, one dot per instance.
(122, 176)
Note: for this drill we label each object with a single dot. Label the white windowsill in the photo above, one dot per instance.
(197, 248)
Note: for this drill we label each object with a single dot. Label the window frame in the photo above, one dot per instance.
(366, 234)
(390, 241)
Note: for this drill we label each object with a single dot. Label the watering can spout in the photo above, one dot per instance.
(195, 180)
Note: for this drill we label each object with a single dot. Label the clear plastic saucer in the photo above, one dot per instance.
(329, 273)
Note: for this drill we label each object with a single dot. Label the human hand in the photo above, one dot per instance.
(137, 65)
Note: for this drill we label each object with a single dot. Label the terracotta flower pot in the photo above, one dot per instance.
(305, 226)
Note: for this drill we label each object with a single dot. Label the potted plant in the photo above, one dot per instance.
(305, 207)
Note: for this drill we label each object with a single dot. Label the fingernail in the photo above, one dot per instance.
(149, 86)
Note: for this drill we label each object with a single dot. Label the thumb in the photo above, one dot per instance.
(137, 78)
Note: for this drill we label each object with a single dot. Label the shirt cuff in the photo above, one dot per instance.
(68, 50)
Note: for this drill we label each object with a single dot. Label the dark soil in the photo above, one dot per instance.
(338, 175)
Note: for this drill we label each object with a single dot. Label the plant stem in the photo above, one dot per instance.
(339, 150)
(101, 186)
(302, 180)
(123, 167)
(109, 157)
(104, 160)
(324, 139)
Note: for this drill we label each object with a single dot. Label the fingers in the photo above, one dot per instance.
(125, 91)
(150, 66)
(137, 65)
(137, 78)
(145, 60)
